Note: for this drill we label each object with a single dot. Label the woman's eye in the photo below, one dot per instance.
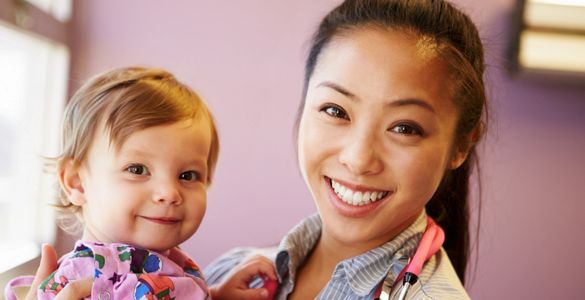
(138, 170)
(407, 129)
(189, 176)
(336, 112)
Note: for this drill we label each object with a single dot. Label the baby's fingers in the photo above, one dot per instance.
(254, 294)
(259, 265)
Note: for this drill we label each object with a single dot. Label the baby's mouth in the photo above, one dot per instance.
(162, 220)
(356, 198)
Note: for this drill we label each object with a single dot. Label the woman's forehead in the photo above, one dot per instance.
(376, 36)
(383, 63)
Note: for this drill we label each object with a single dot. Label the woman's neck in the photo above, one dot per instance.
(314, 273)
(338, 251)
(330, 247)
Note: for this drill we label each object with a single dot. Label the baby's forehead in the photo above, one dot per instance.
(118, 134)
(190, 138)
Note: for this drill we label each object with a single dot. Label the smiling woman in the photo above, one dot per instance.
(393, 100)
(375, 126)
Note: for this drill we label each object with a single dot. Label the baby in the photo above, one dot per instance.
(139, 151)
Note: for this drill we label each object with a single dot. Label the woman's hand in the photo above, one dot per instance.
(47, 266)
(76, 290)
(73, 291)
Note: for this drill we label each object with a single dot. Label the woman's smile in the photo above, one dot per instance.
(355, 201)
(356, 195)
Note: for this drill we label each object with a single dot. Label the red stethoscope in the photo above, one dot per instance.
(429, 244)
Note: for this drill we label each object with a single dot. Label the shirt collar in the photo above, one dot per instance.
(296, 245)
(387, 260)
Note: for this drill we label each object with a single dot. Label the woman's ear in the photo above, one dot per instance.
(70, 181)
(459, 158)
(465, 146)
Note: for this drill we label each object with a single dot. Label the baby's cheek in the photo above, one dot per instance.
(193, 220)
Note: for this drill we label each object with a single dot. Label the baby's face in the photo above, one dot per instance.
(151, 193)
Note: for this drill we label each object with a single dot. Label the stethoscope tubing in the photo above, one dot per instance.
(429, 244)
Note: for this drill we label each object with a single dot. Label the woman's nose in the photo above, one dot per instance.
(167, 192)
(359, 153)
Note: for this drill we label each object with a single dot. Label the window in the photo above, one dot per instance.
(33, 80)
(59, 9)
(551, 36)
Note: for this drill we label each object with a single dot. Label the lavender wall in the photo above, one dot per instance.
(245, 59)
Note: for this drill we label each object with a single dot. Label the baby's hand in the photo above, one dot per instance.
(236, 285)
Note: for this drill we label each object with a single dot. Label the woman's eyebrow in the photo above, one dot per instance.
(391, 103)
(411, 101)
(338, 88)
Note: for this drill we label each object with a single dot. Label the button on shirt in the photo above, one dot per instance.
(357, 277)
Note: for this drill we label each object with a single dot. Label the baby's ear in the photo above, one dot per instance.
(70, 181)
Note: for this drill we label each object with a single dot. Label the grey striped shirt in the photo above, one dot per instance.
(357, 277)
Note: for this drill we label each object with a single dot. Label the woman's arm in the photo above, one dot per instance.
(219, 269)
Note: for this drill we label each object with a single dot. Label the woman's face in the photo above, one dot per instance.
(376, 134)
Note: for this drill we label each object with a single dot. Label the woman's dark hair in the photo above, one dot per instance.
(457, 42)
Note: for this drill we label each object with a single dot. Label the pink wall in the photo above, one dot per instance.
(245, 58)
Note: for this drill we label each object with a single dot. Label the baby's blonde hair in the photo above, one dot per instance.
(124, 101)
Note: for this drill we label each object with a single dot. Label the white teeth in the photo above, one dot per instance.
(356, 198)
(366, 197)
(348, 195)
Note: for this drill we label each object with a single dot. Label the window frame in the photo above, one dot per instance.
(26, 17)
(32, 19)
(527, 21)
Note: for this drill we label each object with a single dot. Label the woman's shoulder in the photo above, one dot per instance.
(221, 266)
(438, 280)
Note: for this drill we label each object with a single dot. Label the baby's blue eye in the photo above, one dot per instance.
(189, 176)
(407, 129)
(138, 170)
